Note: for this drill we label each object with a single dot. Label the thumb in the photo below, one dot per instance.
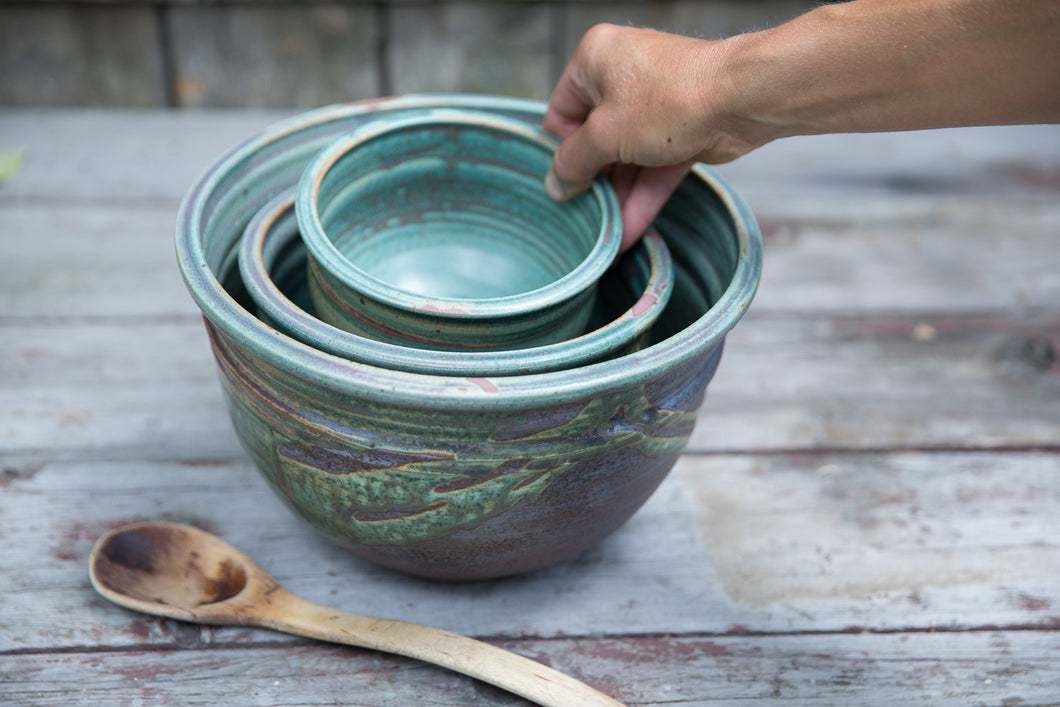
(576, 163)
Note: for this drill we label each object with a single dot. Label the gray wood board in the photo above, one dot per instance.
(127, 388)
(728, 544)
(473, 47)
(992, 668)
(279, 56)
(866, 511)
(80, 54)
(112, 261)
(1023, 162)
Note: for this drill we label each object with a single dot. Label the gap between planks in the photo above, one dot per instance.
(285, 641)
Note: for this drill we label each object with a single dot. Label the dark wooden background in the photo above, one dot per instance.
(263, 54)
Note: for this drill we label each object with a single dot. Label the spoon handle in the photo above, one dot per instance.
(527, 678)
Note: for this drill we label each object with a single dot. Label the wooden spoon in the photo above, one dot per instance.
(181, 572)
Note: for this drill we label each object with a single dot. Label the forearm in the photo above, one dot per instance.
(874, 65)
(646, 104)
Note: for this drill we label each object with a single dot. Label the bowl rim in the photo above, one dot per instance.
(334, 264)
(426, 392)
(619, 332)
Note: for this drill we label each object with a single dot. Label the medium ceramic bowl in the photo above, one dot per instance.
(434, 231)
(631, 296)
(460, 477)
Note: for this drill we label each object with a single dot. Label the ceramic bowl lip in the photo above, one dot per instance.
(372, 384)
(620, 331)
(330, 259)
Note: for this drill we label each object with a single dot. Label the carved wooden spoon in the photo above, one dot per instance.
(181, 572)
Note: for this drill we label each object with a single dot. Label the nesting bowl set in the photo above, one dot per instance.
(431, 362)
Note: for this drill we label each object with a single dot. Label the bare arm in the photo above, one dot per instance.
(645, 105)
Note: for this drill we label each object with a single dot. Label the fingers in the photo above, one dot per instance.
(577, 161)
(650, 191)
(568, 107)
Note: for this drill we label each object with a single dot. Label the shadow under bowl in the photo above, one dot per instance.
(631, 295)
(433, 230)
(460, 477)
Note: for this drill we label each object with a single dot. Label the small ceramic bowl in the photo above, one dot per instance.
(434, 231)
(631, 296)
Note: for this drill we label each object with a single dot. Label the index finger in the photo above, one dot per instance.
(569, 105)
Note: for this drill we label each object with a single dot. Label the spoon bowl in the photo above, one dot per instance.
(181, 572)
(173, 570)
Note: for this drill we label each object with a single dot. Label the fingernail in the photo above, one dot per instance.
(556, 188)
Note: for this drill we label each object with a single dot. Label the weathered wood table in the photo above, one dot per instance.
(868, 513)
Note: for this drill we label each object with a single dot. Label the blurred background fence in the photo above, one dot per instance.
(264, 54)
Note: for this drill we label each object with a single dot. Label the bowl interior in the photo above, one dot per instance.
(704, 218)
(452, 208)
(272, 262)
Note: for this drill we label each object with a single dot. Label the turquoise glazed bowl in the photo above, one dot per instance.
(433, 231)
(460, 477)
(631, 296)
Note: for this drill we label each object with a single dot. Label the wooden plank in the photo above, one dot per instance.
(138, 387)
(273, 56)
(78, 54)
(874, 381)
(152, 156)
(962, 258)
(1007, 261)
(728, 544)
(90, 262)
(887, 176)
(995, 668)
(471, 47)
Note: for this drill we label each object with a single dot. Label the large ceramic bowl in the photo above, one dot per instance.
(433, 231)
(460, 477)
(630, 297)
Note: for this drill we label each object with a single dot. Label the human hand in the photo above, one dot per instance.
(642, 106)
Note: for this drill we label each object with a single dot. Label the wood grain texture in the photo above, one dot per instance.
(990, 668)
(823, 179)
(839, 383)
(865, 514)
(273, 56)
(63, 54)
(470, 47)
(729, 544)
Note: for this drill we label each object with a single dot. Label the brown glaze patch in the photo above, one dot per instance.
(471, 480)
(644, 304)
(655, 428)
(484, 384)
(539, 421)
(341, 462)
(428, 307)
(395, 513)
(682, 389)
(528, 481)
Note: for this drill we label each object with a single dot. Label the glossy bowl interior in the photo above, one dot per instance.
(631, 295)
(434, 231)
(460, 477)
